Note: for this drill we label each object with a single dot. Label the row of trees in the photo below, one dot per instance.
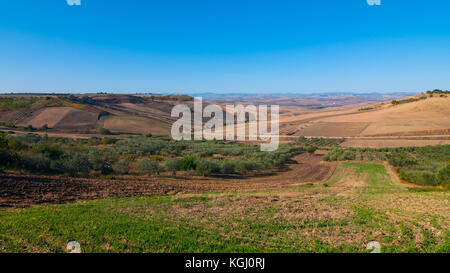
(109, 156)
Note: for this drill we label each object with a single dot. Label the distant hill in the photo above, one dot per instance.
(421, 114)
(136, 114)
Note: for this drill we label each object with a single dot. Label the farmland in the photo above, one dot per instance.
(101, 170)
(427, 166)
(360, 203)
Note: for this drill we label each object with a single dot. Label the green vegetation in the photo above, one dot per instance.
(320, 142)
(367, 108)
(137, 155)
(28, 128)
(396, 102)
(428, 165)
(442, 93)
(7, 104)
(147, 166)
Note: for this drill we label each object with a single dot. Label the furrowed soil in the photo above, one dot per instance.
(18, 190)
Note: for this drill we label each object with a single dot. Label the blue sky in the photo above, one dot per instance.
(224, 46)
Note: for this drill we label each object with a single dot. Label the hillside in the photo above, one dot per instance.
(416, 116)
(134, 114)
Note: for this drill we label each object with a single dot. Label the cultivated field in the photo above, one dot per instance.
(419, 115)
(360, 203)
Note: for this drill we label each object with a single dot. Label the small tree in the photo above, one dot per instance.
(173, 165)
(108, 140)
(150, 167)
(207, 167)
(311, 149)
(188, 163)
(228, 167)
(74, 163)
(122, 167)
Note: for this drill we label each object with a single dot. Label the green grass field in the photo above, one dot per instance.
(359, 204)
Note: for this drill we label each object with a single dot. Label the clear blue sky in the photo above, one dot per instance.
(224, 46)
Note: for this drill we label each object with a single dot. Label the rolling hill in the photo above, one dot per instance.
(131, 114)
(416, 116)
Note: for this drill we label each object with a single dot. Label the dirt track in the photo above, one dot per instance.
(22, 190)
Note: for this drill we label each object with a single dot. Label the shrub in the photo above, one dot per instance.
(207, 167)
(52, 151)
(108, 140)
(401, 160)
(228, 167)
(311, 149)
(243, 166)
(188, 163)
(16, 144)
(6, 159)
(149, 167)
(35, 163)
(122, 167)
(443, 175)
(74, 163)
(173, 165)
(102, 162)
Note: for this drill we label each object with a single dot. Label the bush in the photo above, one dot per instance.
(311, 149)
(173, 165)
(443, 175)
(188, 163)
(207, 167)
(52, 151)
(243, 166)
(37, 163)
(74, 163)
(401, 160)
(340, 155)
(122, 167)
(108, 140)
(228, 167)
(149, 167)
(7, 159)
(103, 162)
(16, 144)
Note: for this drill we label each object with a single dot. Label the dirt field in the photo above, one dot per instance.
(134, 124)
(63, 118)
(21, 190)
(336, 129)
(414, 118)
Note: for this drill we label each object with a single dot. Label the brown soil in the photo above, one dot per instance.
(424, 117)
(18, 190)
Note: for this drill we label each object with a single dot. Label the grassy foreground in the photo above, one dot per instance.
(359, 204)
